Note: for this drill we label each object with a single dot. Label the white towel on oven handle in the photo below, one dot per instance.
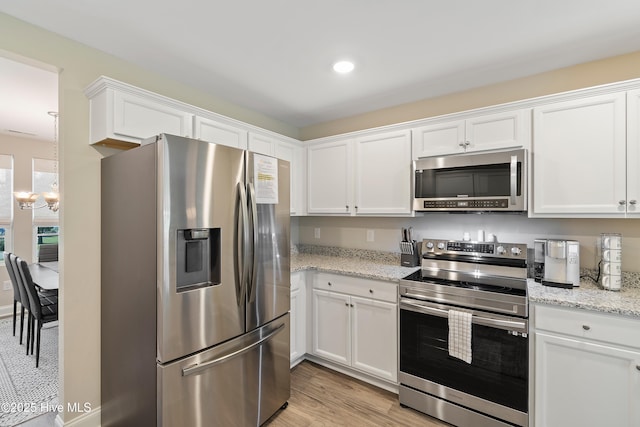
(460, 334)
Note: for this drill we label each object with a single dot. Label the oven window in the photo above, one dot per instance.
(498, 371)
(473, 181)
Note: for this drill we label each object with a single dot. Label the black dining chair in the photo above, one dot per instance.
(48, 252)
(17, 297)
(40, 313)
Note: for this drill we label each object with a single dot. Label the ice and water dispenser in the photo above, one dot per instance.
(197, 258)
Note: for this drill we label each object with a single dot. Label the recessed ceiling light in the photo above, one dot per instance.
(343, 67)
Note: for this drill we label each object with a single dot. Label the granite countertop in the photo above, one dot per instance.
(366, 267)
(589, 296)
(386, 266)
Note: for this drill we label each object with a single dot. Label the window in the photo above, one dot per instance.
(45, 235)
(6, 202)
(44, 174)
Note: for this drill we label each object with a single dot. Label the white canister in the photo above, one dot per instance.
(614, 268)
(612, 282)
(612, 255)
(466, 237)
(480, 235)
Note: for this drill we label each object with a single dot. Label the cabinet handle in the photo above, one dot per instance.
(370, 291)
(467, 143)
(622, 202)
(347, 207)
(638, 367)
(586, 327)
(329, 283)
(351, 305)
(346, 304)
(461, 144)
(632, 202)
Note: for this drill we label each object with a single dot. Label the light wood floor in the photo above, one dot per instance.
(322, 397)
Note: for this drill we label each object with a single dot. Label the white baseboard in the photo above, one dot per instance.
(6, 311)
(88, 419)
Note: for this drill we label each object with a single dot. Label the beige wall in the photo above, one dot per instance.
(594, 73)
(80, 187)
(23, 151)
(351, 232)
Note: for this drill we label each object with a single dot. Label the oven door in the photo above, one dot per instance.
(494, 383)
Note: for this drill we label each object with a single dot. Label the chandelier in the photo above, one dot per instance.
(27, 200)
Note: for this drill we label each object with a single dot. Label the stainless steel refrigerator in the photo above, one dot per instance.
(195, 285)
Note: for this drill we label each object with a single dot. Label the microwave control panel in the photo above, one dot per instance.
(467, 204)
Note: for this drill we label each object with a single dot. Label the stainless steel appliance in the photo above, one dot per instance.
(487, 280)
(489, 181)
(195, 285)
(557, 262)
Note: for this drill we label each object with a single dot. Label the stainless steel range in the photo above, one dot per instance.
(481, 378)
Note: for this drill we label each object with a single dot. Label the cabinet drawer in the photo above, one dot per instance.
(366, 288)
(603, 327)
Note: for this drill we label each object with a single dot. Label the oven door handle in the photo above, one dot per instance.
(476, 318)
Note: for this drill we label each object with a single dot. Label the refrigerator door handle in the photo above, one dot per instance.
(194, 369)
(251, 291)
(242, 242)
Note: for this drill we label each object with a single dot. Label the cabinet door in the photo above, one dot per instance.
(329, 178)
(141, 118)
(579, 383)
(633, 153)
(383, 174)
(261, 144)
(331, 331)
(219, 133)
(294, 155)
(579, 156)
(504, 130)
(439, 139)
(298, 325)
(375, 337)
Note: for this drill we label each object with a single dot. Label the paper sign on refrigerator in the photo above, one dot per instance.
(265, 171)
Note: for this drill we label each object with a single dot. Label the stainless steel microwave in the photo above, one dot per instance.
(485, 181)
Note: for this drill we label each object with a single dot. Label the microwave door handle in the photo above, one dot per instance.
(514, 179)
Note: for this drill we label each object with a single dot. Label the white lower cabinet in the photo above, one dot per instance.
(587, 368)
(355, 324)
(298, 315)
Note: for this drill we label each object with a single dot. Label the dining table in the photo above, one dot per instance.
(45, 275)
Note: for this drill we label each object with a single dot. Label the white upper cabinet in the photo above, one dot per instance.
(633, 153)
(366, 175)
(130, 118)
(295, 155)
(509, 129)
(211, 130)
(329, 178)
(578, 157)
(383, 174)
(262, 144)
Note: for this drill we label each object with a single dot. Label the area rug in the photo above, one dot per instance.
(26, 391)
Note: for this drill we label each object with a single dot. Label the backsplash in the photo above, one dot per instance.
(629, 279)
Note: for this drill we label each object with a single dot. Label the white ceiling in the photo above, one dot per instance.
(275, 56)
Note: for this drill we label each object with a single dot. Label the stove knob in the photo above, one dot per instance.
(501, 250)
(429, 245)
(441, 245)
(516, 251)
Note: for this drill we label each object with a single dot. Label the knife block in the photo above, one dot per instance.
(413, 259)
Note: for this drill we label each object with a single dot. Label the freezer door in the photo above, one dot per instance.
(268, 287)
(199, 296)
(242, 382)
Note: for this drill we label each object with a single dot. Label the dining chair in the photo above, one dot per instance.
(17, 297)
(48, 252)
(39, 313)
